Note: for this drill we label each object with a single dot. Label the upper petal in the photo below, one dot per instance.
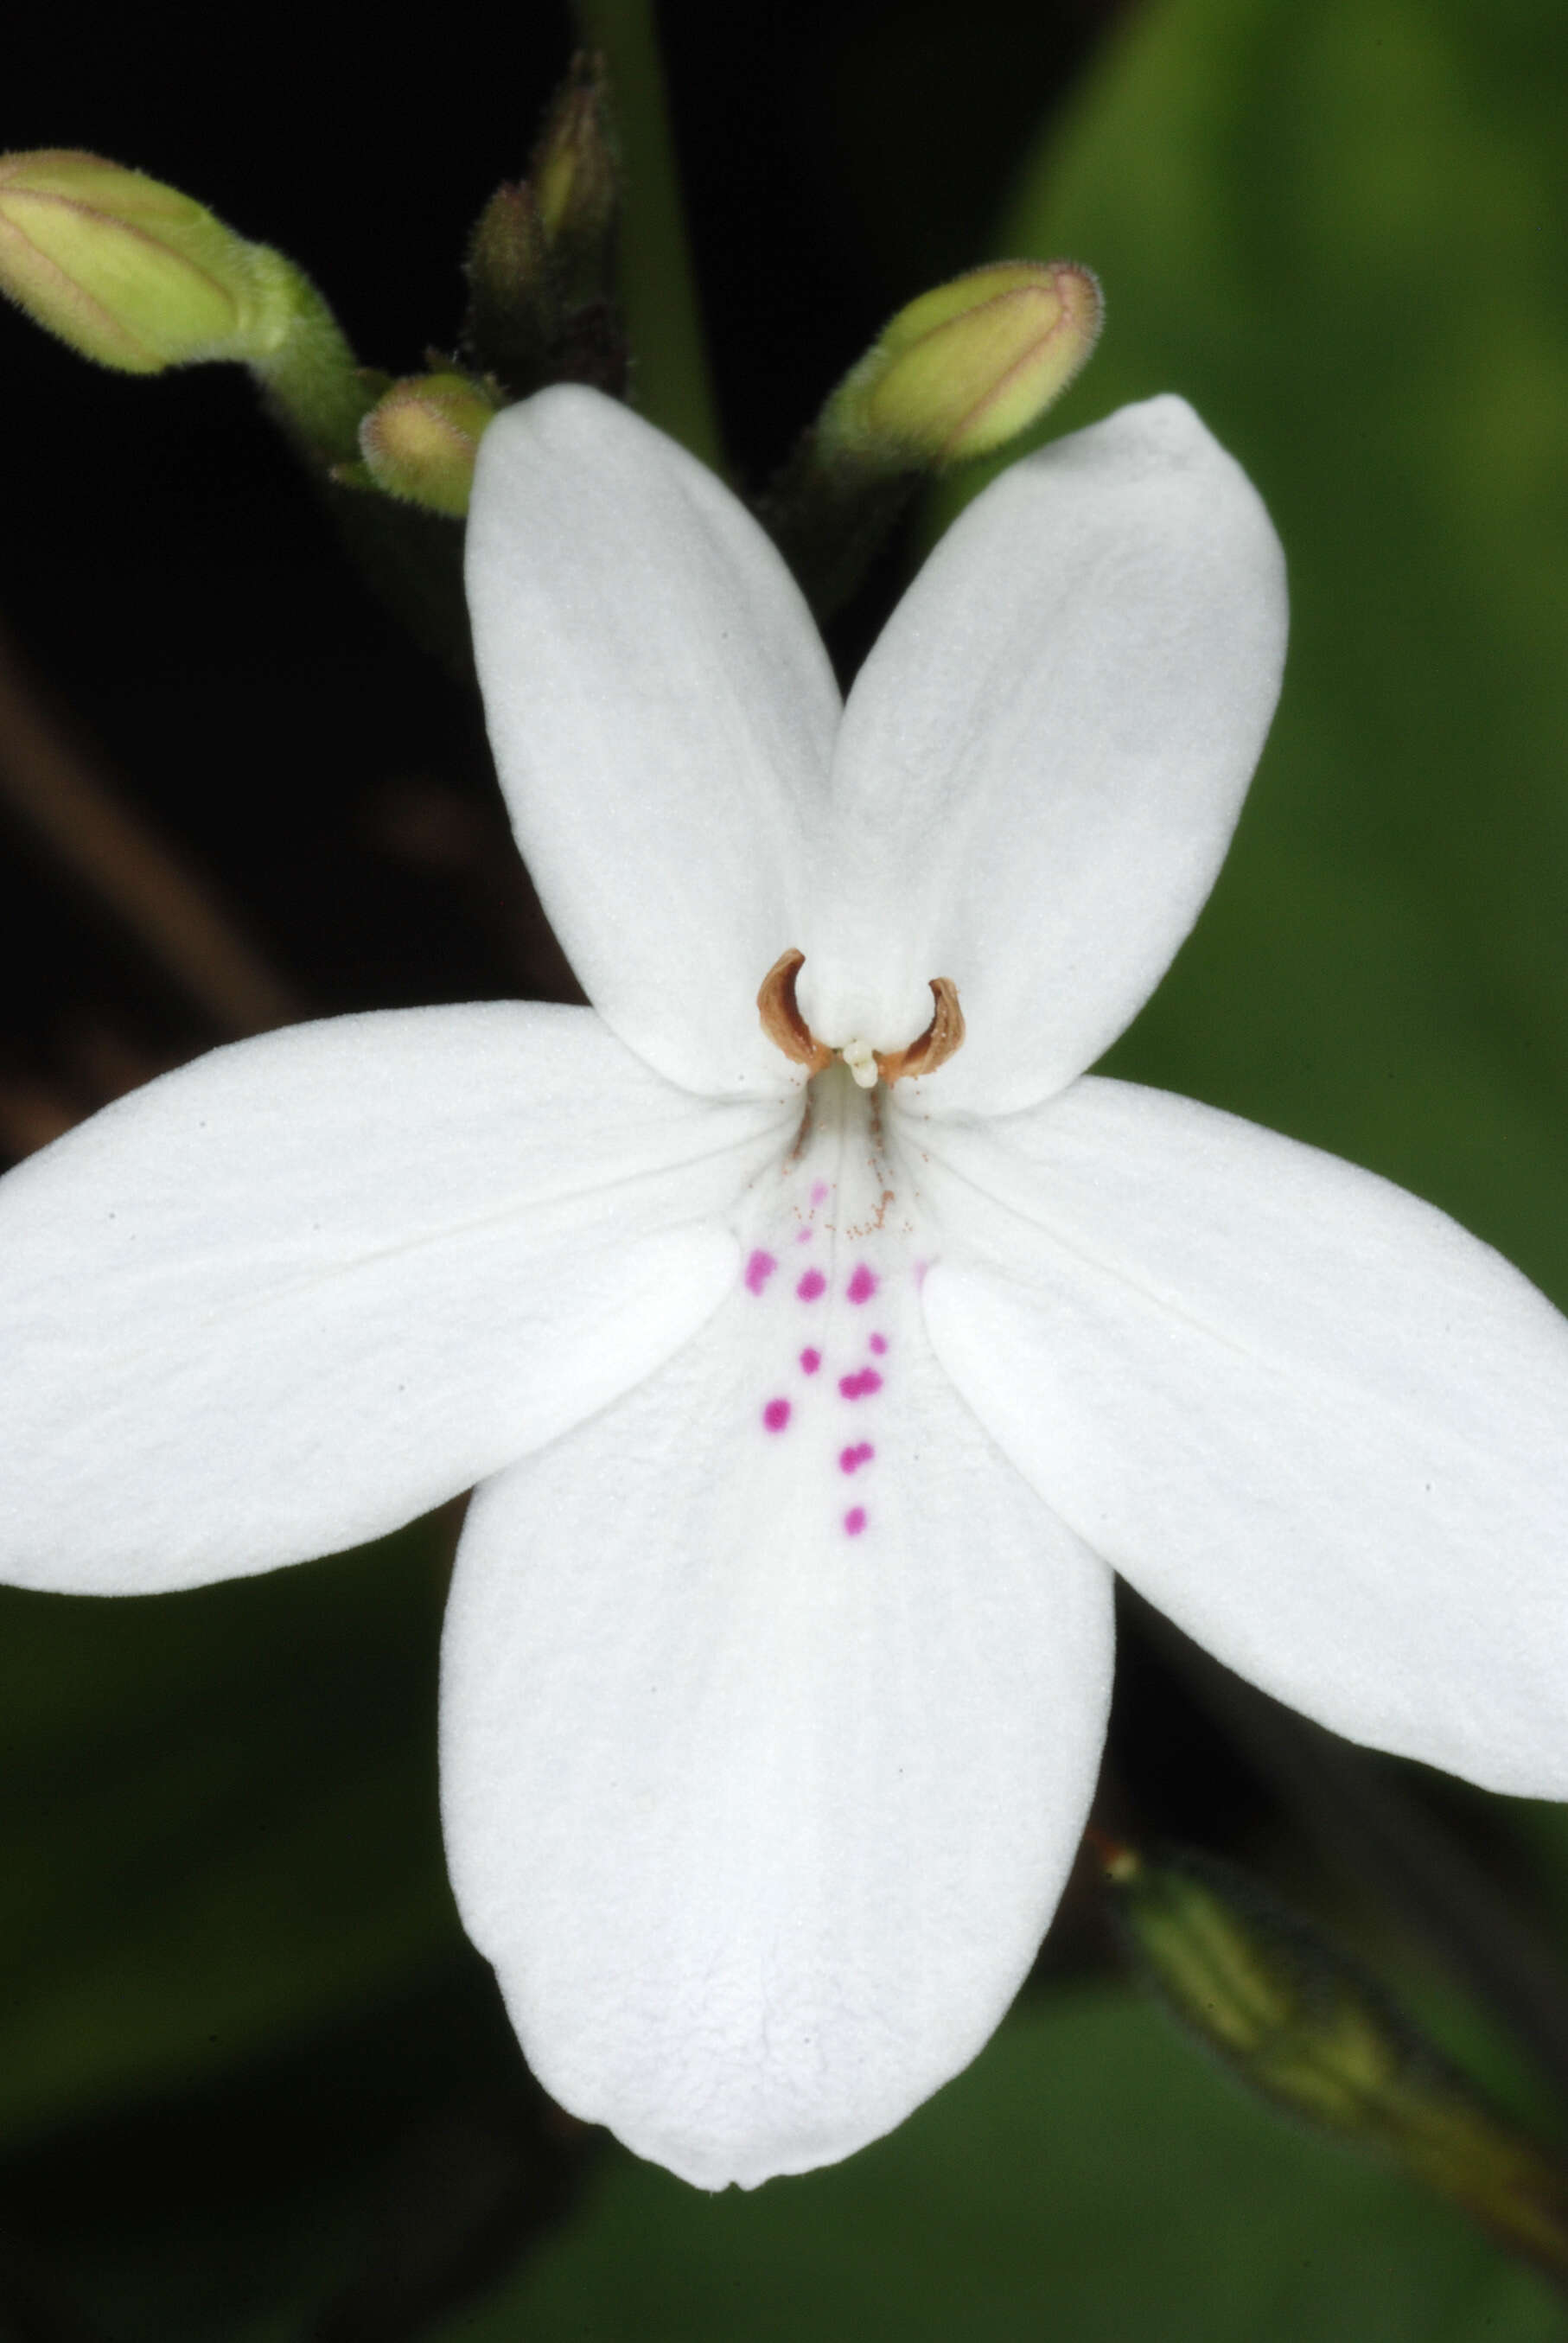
(282, 1299)
(1042, 761)
(1305, 1414)
(662, 713)
(771, 1707)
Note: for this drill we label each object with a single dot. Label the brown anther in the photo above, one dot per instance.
(783, 1024)
(941, 1037)
(781, 1019)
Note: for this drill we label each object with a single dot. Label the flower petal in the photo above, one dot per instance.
(1042, 761)
(760, 1813)
(1302, 1411)
(282, 1299)
(662, 713)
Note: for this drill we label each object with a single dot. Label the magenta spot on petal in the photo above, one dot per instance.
(819, 1192)
(921, 1269)
(758, 1270)
(855, 1521)
(802, 1236)
(879, 1345)
(775, 1414)
(809, 1361)
(811, 1285)
(851, 1459)
(860, 1385)
(862, 1285)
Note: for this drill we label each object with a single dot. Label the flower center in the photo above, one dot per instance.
(783, 1024)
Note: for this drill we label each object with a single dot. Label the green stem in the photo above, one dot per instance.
(311, 377)
(671, 379)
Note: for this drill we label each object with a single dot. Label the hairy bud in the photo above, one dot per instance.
(420, 440)
(966, 367)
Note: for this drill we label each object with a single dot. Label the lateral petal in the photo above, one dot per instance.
(662, 713)
(771, 1707)
(1042, 761)
(1305, 1414)
(285, 1298)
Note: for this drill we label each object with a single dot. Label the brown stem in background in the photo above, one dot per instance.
(48, 782)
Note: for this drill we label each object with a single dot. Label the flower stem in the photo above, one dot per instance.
(670, 382)
(310, 379)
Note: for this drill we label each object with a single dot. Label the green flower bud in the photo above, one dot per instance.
(966, 367)
(576, 183)
(957, 374)
(420, 440)
(1295, 2018)
(130, 272)
(541, 259)
(512, 318)
(139, 276)
(1268, 1999)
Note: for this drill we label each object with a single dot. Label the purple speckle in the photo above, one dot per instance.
(862, 1285)
(775, 1414)
(802, 1236)
(758, 1270)
(809, 1361)
(811, 1285)
(860, 1385)
(819, 1192)
(879, 1345)
(851, 1459)
(854, 1521)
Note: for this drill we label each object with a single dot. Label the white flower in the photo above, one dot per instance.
(811, 1414)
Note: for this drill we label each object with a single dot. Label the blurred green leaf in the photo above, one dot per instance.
(1342, 232)
(1090, 2177)
(218, 1826)
(254, 2084)
(346, 2187)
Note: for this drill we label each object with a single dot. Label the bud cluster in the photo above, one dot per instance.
(139, 276)
(541, 309)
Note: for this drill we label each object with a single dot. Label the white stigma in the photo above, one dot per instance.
(861, 1060)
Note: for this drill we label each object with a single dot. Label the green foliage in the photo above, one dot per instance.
(253, 2085)
(220, 1824)
(1090, 2177)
